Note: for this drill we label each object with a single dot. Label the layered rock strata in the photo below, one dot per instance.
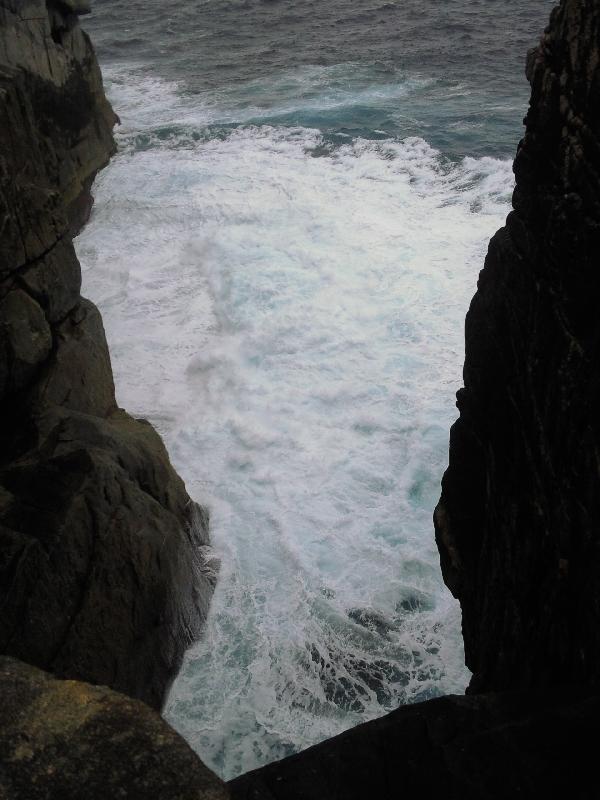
(518, 523)
(101, 577)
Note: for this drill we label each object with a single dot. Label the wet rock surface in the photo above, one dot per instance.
(101, 573)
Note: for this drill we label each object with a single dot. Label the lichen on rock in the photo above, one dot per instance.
(66, 739)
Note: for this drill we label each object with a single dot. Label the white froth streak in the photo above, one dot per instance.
(294, 328)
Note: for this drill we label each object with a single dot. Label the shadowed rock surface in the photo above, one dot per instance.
(101, 574)
(66, 739)
(518, 524)
(490, 746)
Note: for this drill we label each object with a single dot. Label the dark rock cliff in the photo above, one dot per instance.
(100, 573)
(518, 523)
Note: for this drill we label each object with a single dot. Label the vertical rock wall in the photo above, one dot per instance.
(518, 523)
(101, 577)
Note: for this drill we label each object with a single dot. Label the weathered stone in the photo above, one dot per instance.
(54, 280)
(55, 126)
(79, 374)
(62, 740)
(102, 577)
(25, 340)
(518, 524)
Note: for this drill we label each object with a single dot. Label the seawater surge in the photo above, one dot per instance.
(284, 250)
(290, 317)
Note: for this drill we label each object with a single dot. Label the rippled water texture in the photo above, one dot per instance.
(284, 251)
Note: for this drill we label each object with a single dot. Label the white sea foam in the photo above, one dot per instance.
(304, 90)
(293, 325)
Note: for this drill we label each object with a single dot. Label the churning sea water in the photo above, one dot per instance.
(284, 250)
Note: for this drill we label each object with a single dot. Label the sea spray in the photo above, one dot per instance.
(289, 313)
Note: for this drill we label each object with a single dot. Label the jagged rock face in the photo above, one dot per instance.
(518, 524)
(100, 573)
(65, 739)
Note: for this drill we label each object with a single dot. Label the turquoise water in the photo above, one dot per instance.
(284, 250)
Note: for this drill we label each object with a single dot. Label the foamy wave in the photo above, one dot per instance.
(147, 101)
(293, 324)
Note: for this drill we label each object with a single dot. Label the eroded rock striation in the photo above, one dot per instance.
(518, 524)
(101, 577)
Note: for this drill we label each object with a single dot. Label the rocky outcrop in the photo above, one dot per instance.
(518, 524)
(101, 577)
(65, 739)
(491, 747)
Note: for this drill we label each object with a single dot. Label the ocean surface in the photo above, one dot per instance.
(284, 250)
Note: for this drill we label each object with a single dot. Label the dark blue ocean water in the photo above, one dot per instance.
(339, 65)
(284, 250)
